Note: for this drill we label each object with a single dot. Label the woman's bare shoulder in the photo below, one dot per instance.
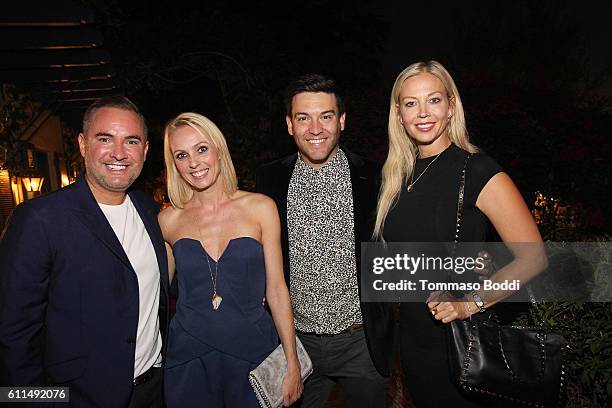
(255, 201)
(168, 214)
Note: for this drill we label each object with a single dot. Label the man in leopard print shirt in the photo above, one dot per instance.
(326, 197)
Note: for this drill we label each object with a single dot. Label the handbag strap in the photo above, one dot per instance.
(460, 200)
(459, 215)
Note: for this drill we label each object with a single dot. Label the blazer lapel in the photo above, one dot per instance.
(365, 193)
(359, 181)
(89, 213)
(149, 219)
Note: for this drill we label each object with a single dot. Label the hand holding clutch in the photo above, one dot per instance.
(268, 378)
(292, 386)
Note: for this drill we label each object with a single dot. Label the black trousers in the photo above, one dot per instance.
(342, 358)
(148, 394)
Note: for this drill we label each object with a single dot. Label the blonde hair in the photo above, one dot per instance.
(403, 150)
(179, 191)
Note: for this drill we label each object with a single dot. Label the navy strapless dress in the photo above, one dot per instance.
(210, 352)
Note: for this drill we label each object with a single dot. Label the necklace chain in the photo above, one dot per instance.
(216, 298)
(213, 279)
(412, 183)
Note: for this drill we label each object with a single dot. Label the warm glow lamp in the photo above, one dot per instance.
(32, 184)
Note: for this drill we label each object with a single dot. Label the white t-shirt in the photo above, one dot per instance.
(136, 243)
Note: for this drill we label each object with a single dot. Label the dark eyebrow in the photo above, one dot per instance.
(327, 112)
(105, 134)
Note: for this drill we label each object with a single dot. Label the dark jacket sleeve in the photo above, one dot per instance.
(25, 259)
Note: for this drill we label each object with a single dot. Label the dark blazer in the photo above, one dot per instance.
(273, 180)
(69, 297)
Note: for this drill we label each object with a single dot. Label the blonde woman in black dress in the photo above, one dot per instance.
(428, 145)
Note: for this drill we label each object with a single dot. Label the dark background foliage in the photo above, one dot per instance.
(534, 77)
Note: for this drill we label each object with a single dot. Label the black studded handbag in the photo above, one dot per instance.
(505, 365)
(514, 364)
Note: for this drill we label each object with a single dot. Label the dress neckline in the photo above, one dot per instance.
(224, 251)
(421, 160)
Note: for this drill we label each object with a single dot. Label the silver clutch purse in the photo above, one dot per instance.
(267, 378)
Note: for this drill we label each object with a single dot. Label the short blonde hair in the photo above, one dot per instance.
(402, 149)
(179, 191)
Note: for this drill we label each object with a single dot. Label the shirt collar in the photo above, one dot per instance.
(337, 162)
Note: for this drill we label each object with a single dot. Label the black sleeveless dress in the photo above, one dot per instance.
(428, 214)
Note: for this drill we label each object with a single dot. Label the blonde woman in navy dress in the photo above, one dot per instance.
(428, 146)
(224, 245)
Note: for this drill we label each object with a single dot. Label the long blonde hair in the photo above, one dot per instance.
(179, 191)
(403, 150)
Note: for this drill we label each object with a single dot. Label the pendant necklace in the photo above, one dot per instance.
(216, 298)
(412, 183)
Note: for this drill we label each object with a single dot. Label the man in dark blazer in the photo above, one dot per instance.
(326, 197)
(84, 278)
